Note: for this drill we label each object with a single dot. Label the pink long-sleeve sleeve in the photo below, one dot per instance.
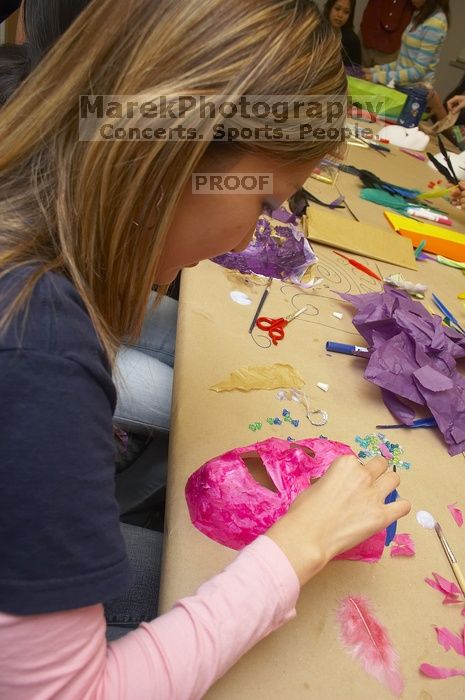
(177, 656)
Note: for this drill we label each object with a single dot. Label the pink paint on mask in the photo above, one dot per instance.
(228, 505)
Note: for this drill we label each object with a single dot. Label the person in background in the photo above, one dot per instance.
(458, 196)
(456, 102)
(382, 26)
(421, 46)
(86, 230)
(340, 14)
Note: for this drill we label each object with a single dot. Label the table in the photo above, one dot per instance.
(304, 659)
(457, 64)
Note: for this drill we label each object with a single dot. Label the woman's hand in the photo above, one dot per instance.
(343, 508)
(455, 104)
(458, 195)
(367, 74)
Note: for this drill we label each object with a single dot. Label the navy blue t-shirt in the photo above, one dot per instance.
(60, 541)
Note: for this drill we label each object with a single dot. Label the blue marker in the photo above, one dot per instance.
(344, 349)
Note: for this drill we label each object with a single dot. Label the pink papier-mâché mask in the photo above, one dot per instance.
(229, 502)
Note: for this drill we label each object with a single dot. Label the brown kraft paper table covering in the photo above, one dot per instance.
(304, 659)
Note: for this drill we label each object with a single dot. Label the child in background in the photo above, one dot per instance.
(87, 229)
(340, 13)
(421, 46)
(382, 26)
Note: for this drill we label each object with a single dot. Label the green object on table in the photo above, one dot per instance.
(384, 199)
(450, 263)
(376, 99)
(419, 249)
(390, 201)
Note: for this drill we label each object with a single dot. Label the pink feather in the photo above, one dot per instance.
(368, 641)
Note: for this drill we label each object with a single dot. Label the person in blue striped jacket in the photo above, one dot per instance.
(421, 46)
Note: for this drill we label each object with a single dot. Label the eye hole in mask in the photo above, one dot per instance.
(257, 471)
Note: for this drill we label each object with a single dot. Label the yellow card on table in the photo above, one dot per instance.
(439, 240)
(328, 228)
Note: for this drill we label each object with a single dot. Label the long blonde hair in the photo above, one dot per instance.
(100, 212)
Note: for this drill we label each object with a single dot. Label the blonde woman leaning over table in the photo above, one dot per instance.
(420, 49)
(87, 228)
(143, 370)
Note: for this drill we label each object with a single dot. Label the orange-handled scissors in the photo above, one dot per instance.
(275, 326)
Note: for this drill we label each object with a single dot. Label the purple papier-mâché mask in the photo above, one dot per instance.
(230, 506)
(279, 249)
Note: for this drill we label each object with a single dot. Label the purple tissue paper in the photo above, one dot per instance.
(413, 357)
(279, 249)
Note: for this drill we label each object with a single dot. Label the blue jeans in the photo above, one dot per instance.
(140, 603)
(144, 373)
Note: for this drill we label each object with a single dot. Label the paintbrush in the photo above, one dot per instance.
(451, 557)
(428, 521)
(260, 305)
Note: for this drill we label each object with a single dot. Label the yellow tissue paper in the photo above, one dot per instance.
(277, 376)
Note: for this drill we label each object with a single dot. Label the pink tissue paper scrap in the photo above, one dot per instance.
(449, 640)
(456, 513)
(403, 546)
(450, 590)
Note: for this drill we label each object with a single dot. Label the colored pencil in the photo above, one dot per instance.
(260, 305)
